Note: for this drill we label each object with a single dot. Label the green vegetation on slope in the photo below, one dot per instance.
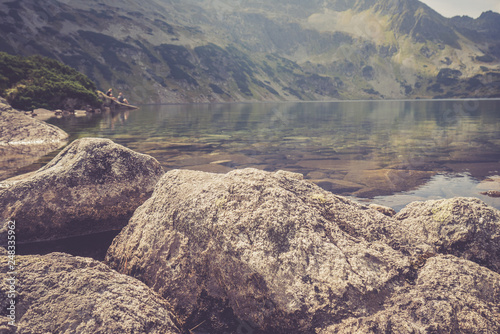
(38, 82)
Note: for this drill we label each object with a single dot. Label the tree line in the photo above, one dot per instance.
(34, 82)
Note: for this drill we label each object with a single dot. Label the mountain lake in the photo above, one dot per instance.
(385, 152)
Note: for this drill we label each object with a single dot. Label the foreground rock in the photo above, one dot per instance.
(24, 139)
(92, 186)
(58, 293)
(451, 295)
(255, 249)
(271, 253)
(465, 227)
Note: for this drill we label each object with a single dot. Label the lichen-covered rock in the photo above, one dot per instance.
(59, 293)
(251, 249)
(93, 185)
(464, 227)
(24, 139)
(18, 129)
(450, 295)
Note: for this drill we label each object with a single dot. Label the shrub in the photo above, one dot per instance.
(39, 82)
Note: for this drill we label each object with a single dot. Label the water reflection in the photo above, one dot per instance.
(443, 186)
(364, 149)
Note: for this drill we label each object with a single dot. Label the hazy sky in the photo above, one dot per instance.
(472, 8)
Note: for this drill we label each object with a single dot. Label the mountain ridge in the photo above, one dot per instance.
(160, 51)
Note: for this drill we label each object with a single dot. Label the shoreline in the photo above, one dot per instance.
(334, 184)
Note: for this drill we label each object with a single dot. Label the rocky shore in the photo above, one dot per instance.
(59, 293)
(25, 136)
(24, 139)
(244, 252)
(91, 186)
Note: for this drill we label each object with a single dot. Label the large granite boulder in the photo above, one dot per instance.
(450, 295)
(252, 251)
(24, 139)
(92, 186)
(257, 250)
(465, 227)
(59, 293)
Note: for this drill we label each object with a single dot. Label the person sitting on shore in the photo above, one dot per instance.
(110, 92)
(122, 99)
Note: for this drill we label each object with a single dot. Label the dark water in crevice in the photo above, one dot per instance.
(93, 245)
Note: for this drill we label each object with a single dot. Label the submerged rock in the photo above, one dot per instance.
(251, 249)
(92, 186)
(450, 295)
(59, 293)
(491, 193)
(24, 139)
(464, 227)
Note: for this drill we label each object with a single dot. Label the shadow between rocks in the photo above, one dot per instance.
(93, 245)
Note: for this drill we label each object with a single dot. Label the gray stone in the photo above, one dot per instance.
(59, 293)
(92, 186)
(450, 295)
(465, 227)
(268, 251)
(19, 129)
(252, 251)
(24, 139)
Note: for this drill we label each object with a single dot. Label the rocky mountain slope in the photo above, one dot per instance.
(245, 50)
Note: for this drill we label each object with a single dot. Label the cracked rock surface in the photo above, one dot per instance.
(59, 293)
(93, 185)
(272, 253)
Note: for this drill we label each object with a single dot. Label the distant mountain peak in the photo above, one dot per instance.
(233, 50)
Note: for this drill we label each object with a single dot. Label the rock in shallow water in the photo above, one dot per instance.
(24, 139)
(464, 227)
(271, 253)
(92, 186)
(59, 293)
(266, 250)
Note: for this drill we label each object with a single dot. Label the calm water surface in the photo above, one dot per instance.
(388, 152)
